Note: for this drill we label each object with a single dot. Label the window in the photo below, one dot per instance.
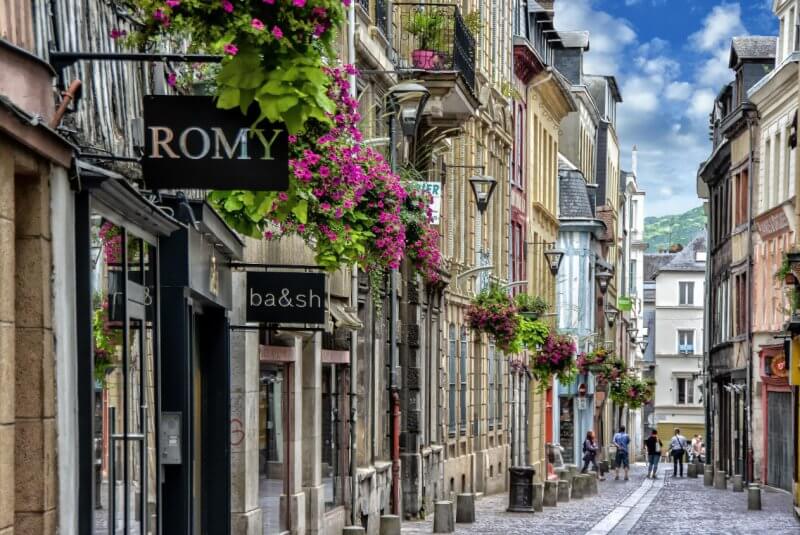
(464, 356)
(686, 293)
(686, 342)
(741, 190)
(684, 391)
(519, 146)
(451, 379)
(490, 413)
(632, 282)
(498, 416)
(741, 289)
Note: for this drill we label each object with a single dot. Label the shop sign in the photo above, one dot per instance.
(624, 303)
(276, 354)
(286, 297)
(190, 143)
(333, 356)
(435, 189)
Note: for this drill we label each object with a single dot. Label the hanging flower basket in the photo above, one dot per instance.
(632, 391)
(530, 306)
(596, 361)
(555, 358)
(493, 312)
(422, 238)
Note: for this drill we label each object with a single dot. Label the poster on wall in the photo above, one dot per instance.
(435, 189)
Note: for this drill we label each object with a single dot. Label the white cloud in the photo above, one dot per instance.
(678, 91)
(701, 104)
(723, 22)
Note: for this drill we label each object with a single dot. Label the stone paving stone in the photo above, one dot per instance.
(574, 517)
(686, 506)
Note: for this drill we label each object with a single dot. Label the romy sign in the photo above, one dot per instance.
(190, 143)
(285, 297)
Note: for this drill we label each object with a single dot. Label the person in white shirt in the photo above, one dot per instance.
(677, 449)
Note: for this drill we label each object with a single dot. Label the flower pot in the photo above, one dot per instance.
(424, 59)
(530, 315)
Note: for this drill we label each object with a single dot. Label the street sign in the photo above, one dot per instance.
(285, 297)
(190, 143)
(624, 303)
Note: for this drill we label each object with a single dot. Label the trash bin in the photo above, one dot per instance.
(520, 498)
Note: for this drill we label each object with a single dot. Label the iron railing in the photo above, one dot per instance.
(433, 37)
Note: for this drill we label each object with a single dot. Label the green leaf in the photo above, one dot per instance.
(228, 98)
(300, 211)
(232, 204)
(246, 97)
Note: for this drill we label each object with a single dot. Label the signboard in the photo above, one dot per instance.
(286, 297)
(435, 189)
(190, 143)
(624, 303)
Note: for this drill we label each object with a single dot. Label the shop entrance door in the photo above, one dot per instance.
(779, 442)
(272, 446)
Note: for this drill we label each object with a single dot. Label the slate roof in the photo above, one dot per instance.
(540, 5)
(572, 197)
(752, 47)
(653, 262)
(575, 39)
(686, 259)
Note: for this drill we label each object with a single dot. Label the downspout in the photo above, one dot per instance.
(749, 340)
(351, 59)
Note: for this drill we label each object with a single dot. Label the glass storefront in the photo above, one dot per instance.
(273, 475)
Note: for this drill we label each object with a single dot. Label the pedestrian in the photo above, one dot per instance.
(590, 449)
(697, 450)
(622, 442)
(692, 448)
(677, 449)
(653, 445)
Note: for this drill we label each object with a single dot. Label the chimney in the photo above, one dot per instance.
(635, 161)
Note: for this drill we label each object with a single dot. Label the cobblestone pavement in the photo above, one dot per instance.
(669, 507)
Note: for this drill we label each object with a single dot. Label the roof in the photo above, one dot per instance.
(575, 39)
(573, 198)
(752, 47)
(686, 260)
(653, 262)
(540, 5)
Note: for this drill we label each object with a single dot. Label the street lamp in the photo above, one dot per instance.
(611, 315)
(554, 258)
(409, 99)
(632, 332)
(482, 187)
(643, 345)
(603, 278)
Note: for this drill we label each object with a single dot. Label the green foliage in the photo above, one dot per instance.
(661, 232)
(105, 343)
(472, 21)
(530, 335)
(533, 304)
(428, 25)
(493, 294)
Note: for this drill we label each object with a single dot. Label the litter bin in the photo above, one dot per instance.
(520, 498)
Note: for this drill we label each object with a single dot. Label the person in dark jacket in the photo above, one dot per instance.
(653, 445)
(590, 449)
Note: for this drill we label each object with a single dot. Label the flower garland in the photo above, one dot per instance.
(632, 390)
(493, 312)
(554, 358)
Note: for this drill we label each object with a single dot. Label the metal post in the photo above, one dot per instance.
(394, 355)
(112, 473)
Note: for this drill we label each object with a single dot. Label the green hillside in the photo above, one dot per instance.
(660, 232)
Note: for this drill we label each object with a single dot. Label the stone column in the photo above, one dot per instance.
(246, 513)
(312, 434)
(294, 435)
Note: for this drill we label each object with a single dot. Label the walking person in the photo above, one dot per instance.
(590, 449)
(677, 449)
(653, 445)
(697, 450)
(622, 441)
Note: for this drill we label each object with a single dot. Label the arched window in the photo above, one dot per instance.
(464, 357)
(451, 380)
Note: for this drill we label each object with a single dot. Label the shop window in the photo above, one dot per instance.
(272, 445)
(333, 384)
(686, 293)
(451, 382)
(463, 377)
(491, 378)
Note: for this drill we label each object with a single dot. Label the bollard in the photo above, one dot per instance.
(520, 491)
(443, 517)
(691, 470)
(563, 474)
(754, 498)
(563, 491)
(719, 480)
(708, 475)
(390, 525)
(585, 484)
(550, 494)
(465, 508)
(353, 530)
(738, 483)
(538, 497)
(578, 490)
(593, 490)
(573, 471)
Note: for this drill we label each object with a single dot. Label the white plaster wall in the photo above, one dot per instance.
(62, 206)
(667, 287)
(666, 369)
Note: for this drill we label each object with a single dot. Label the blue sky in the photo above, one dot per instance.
(670, 58)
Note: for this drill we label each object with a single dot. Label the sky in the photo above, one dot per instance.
(670, 58)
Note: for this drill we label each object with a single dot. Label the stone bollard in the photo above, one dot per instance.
(550, 494)
(563, 491)
(573, 471)
(708, 475)
(443, 517)
(720, 482)
(738, 483)
(390, 525)
(538, 497)
(578, 490)
(754, 498)
(691, 470)
(353, 530)
(593, 479)
(563, 474)
(465, 508)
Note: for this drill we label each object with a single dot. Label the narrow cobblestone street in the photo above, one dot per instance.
(637, 506)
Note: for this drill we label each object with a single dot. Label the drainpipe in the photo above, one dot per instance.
(749, 340)
(68, 96)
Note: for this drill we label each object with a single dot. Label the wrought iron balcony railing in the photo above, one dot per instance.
(433, 37)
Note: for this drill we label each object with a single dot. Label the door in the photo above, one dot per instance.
(779, 442)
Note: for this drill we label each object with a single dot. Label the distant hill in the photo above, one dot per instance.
(660, 232)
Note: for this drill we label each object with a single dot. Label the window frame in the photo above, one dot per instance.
(692, 333)
(689, 285)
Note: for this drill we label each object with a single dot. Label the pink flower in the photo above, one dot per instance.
(270, 2)
(283, 196)
(277, 33)
(173, 3)
(257, 24)
(116, 33)
(227, 6)
(171, 79)
(159, 15)
(346, 3)
(319, 29)
(299, 3)
(319, 12)
(231, 49)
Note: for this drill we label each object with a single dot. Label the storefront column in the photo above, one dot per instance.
(246, 512)
(312, 434)
(294, 430)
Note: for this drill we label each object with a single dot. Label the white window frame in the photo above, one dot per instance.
(689, 393)
(694, 340)
(689, 294)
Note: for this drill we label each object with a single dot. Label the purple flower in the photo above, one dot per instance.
(231, 49)
(299, 3)
(277, 33)
(173, 3)
(116, 33)
(227, 6)
(172, 78)
(257, 24)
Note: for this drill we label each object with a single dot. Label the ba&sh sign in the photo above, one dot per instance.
(190, 143)
(286, 297)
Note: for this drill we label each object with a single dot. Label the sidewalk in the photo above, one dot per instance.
(664, 506)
